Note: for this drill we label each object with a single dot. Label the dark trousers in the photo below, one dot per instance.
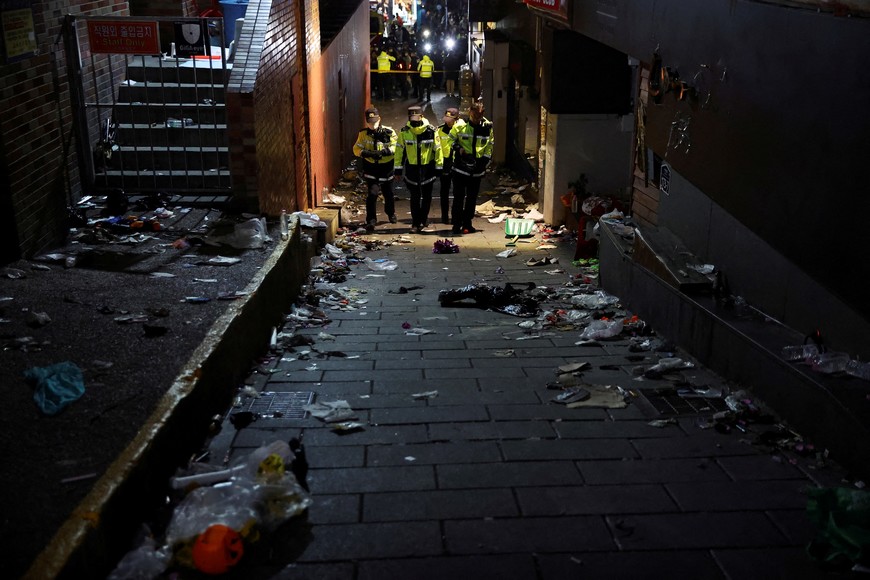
(465, 190)
(421, 201)
(426, 88)
(446, 180)
(384, 90)
(376, 188)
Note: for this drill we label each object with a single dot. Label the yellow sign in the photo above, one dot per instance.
(19, 36)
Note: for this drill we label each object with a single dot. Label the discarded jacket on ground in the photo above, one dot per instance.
(507, 300)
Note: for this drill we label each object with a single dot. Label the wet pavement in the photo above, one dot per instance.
(460, 462)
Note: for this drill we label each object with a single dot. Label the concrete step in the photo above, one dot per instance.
(171, 70)
(143, 134)
(168, 92)
(217, 179)
(142, 158)
(157, 114)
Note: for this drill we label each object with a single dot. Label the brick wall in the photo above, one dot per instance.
(40, 168)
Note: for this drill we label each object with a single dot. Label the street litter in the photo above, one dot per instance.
(380, 265)
(221, 261)
(310, 220)
(425, 395)
(347, 427)
(601, 329)
(661, 423)
(325, 336)
(444, 247)
(507, 300)
(161, 275)
(418, 331)
(571, 395)
(507, 253)
(504, 353)
(213, 525)
(573, 367)
(37, 319)
(665, 365)
(331, 411)
(250, 234)
(57, 386)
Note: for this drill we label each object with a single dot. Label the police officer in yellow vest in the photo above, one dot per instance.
(473, 143)
(419, 155)
(426, 66)
(384, 81)
(376, 145)
(451, 118)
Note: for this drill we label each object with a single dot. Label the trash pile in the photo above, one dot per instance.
(220, 514)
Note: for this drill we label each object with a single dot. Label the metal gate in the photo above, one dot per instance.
(148, 98)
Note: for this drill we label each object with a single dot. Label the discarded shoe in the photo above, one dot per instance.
(393, 219)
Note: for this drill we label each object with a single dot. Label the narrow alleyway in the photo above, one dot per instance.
(466, 467)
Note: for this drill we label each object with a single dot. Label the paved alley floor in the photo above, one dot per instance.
(465, 467)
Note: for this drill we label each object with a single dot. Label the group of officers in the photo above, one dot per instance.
(457, 152)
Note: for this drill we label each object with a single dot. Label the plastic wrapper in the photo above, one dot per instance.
(143, 563)
(262, 493)
(599, 299)
(507, 300)
(600, 329)
(250, 234)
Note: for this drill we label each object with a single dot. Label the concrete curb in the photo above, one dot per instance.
(100, 529)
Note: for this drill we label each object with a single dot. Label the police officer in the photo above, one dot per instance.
(451, 118)
(426, 66)
(376, 146)
(384, 64)
(419, 155)
(473, 143)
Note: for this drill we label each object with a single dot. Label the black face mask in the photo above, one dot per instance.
(415, 123)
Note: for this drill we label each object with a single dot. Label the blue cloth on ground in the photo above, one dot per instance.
(57, 386)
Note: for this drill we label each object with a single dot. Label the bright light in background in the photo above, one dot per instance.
(425, 33)
(449, 43)
(427, 47)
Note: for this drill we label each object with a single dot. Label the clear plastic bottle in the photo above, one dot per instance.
(830, 362)
(285, 226)
(858, 369)
(799, 352)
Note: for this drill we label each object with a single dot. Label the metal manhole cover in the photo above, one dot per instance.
(280, 405)
(669, 403)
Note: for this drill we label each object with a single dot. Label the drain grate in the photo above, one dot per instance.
(669, 403)
(280, 405)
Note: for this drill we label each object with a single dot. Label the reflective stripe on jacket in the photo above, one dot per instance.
(376, 148)
(426, 66)
(419, 153)
(384, 60)
(473, 147)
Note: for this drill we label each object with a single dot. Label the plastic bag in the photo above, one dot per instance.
(249, 234)
(57, 386)
(842, 516)
(380, 266)
(143, 563)
(599, 329)
(599, 299)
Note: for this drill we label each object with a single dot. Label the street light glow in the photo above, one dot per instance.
(449, 43)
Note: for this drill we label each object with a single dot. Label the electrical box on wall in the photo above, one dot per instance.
(583, 76)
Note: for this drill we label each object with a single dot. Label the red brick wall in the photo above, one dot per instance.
(35, 133)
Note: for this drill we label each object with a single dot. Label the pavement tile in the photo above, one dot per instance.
(334, 509)
(424, 414)
(464, 396)
(416, 362)
(611, 429)
(687, 446)
(650, 471)
(516, 474)
(506, 373)
(364, 479)
(406, 375)
(527, 535)
(788, 563)
(513, 362)
(434, 453)
(337, 389)
(499, 567)
(740, 495)
(593, 499)
(325, 457)
(370, 435)
(439, 505)
(382, 401)
(322, 364)
(528, 450)
(297, 571)
(759, 467)
(415, 385)
(521, 382)
(795, 524)
(490, 430)
(442, 343)
(545, 411)
(688, 564)
(345, 542)
(695, 530)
